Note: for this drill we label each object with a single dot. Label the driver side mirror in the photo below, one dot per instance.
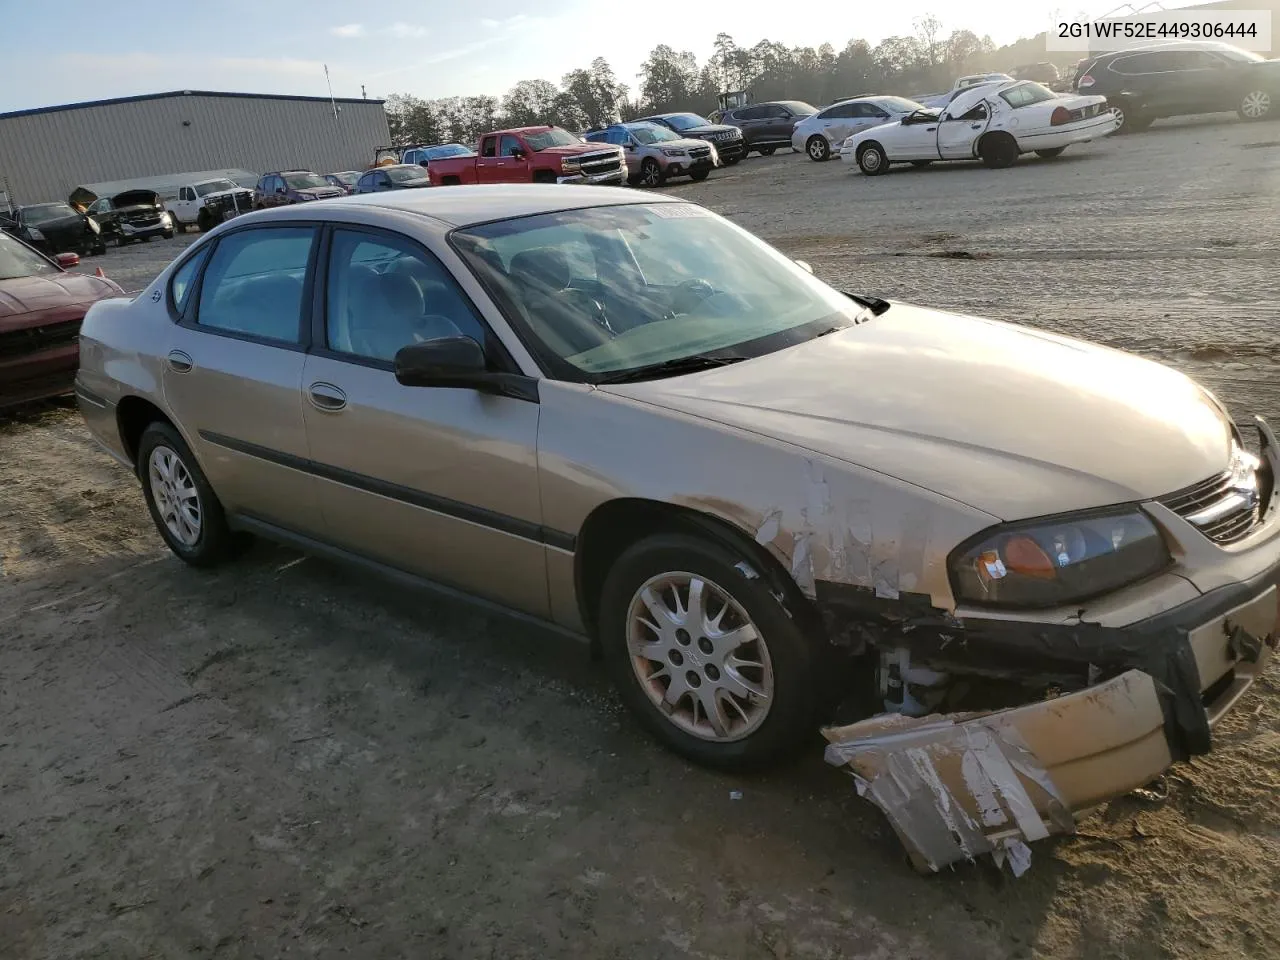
(518, 153)
(68, 260)
(442, 362)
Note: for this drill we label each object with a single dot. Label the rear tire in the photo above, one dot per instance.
(183, 506)
(1050, 153)
(998, 150)
(773, 657)
(872, 160)
(817, 148)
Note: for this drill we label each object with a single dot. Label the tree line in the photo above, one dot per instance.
(926, 62)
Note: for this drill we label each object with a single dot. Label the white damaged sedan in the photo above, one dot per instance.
(994, 123)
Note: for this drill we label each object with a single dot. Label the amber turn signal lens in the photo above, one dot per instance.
(1023, 555)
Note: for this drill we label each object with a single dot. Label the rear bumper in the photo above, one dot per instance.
(957, 785)
(1082, 132)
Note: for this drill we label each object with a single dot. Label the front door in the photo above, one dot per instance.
(184, 208)
(233, 372)
(513, 164)
(913, 140)
(439, 482)
(957, 136)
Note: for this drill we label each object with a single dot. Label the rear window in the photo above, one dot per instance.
(1025, 94)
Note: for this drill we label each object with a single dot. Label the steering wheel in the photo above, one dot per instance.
(583, 302)
(689, 294)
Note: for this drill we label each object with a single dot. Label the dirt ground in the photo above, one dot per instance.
(281, 758)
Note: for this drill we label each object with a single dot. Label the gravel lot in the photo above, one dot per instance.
(281, 758)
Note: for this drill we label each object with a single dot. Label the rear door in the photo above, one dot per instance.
(233, 371)
(1209, 83)
(779, 122)
(488, 164)
(439, 482)
(751, 121)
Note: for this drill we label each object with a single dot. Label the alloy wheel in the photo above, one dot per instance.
(175, 494)
(650, 174)
(699, 658)
(1256, 104)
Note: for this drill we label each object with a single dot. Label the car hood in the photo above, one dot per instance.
(710, 128)
(31, 295)
(1013, 421)
(573, 149)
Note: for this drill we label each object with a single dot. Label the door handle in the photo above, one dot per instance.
(180, 362)
(326, 397)
(930, 129)
(976, 126)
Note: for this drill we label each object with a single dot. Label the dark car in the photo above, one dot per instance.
(1044, 73)
(292, 186)
(54, 228)
(132, 215)
(41, 306)
(727, 138)
(343, 179)
(1177, 79)
(395, 176)
(768, 126)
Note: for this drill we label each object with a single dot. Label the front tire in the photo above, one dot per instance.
(818, 149)
(699, 175)
(178, 225)
(183, 505)
(705, 655)
(1255, 105)
(872, 160)
(651, 173)
(998, 151)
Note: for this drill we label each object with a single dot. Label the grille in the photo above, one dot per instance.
(141, 219)
(18, 343)
(594, 163)
(699, 153)
(1220, 507)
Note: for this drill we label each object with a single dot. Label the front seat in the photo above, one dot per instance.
(386, 310)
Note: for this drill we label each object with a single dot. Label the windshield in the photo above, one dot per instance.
(304, 181)
(17, 260)
(448, 150)
(652, 134)
(555, 137)
(607, 290)
(347, 176)
(405, 173)
(44, 212)
(686, 121)
(214, 186)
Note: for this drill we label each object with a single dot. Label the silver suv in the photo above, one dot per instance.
(655, 153)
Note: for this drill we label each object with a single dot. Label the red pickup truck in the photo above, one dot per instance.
(532, 155)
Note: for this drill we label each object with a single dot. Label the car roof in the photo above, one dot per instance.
(1165, 45)
(462, 206)
(966, 99)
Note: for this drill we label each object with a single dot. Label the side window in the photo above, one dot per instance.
(490, 147)
(182, 279)
(254, 283)
(750, 113)
(977, 112)
(385, 293)
(186, 193)
(510, 146)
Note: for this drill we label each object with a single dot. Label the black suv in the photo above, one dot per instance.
(1176, 79)
(730, 147)
(768, 126)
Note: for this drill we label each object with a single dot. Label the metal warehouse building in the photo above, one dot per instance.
(45, 153)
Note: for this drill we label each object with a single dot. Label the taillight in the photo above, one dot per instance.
(1060, 116)
(1085, 81)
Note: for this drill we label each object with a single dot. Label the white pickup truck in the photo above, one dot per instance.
(206, 203)
(937, 101)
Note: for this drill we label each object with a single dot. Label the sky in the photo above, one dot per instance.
(427, 48)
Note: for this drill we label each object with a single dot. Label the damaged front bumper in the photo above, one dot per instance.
(955, 786)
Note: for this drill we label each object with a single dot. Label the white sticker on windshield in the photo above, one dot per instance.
(673, 211)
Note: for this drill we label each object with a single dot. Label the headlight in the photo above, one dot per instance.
(93, 224)
(34, 234)
(569, 166)
(1047, 563)
(674, 152)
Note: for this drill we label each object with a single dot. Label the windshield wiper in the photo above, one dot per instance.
(670, 368)
(874, 304)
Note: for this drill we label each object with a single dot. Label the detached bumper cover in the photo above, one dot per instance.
(955, 786)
